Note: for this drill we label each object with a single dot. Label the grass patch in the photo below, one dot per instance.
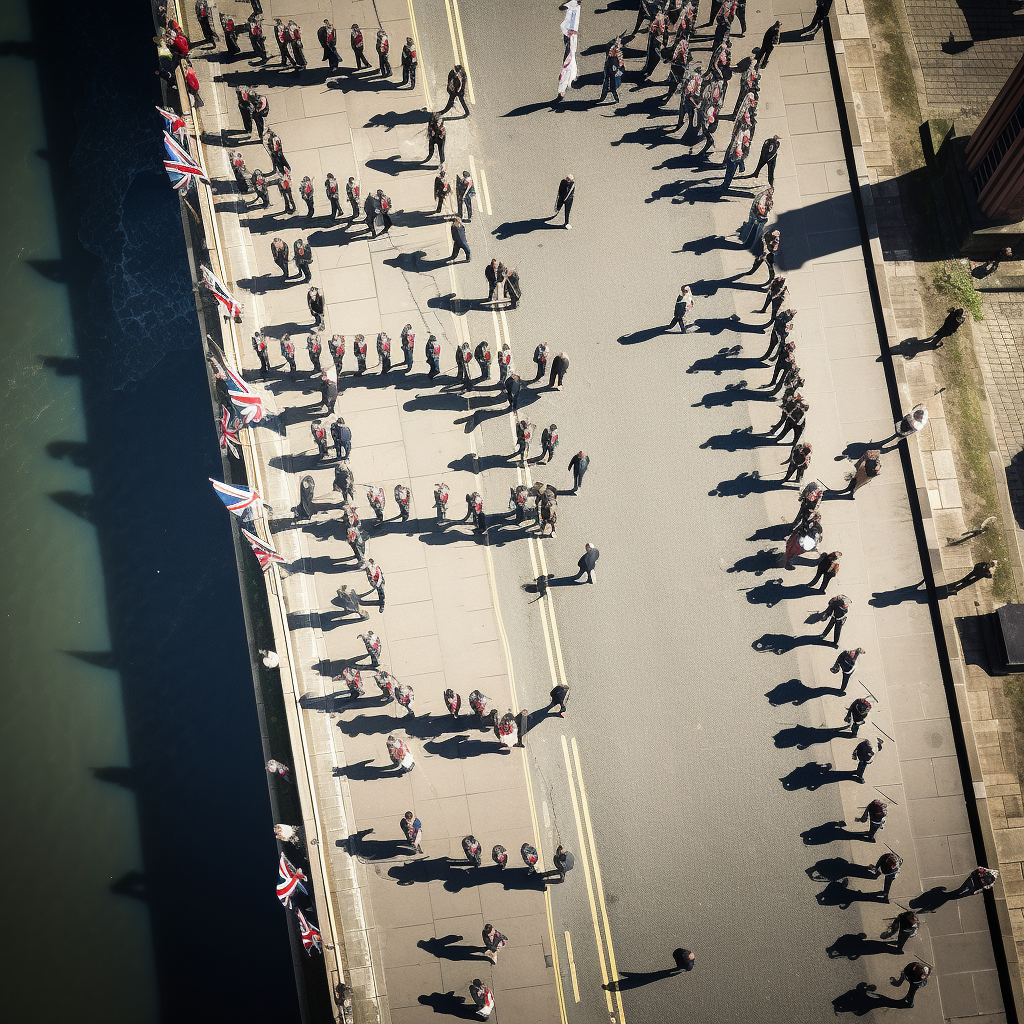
(953, 279)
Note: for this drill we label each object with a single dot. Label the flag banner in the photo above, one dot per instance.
(311, 937)
(247, 403)
(181, 168)
(266, 556)
(239, 499)
(175, 124)
(228, 433)
(291, 879)
(221, 294)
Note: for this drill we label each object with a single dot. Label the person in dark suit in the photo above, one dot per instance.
(559, 366)
(768, 43)
(820, 14)
(769, 154)
(566, 194)
(587, 562)
(578, 464)
(459, 242)
(513, 387)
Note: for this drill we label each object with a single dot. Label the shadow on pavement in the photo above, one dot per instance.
(862, 1000)
(812, 776)
(853, 946)
(804, 736)
(830, 832)
(833, 868)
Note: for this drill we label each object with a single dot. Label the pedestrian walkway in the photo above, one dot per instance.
(412, 922)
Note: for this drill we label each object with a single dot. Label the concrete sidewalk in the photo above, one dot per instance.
(440, 627)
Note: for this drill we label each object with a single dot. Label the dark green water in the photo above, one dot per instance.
(139, 861)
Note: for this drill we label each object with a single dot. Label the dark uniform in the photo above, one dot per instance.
(303, 258)
(259, 186)
(331, 188)
(408, 341)
(259, 344)
(456, 89)
(352, 194)
(409, 62)
(306, 191)
(284, 184)
(433, 354)
(436, 135)
(279, 250)
(356, 42)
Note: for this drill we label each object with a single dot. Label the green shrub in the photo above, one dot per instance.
(953, 279)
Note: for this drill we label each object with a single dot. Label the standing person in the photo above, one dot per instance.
(548, 443)
(341, 432)
(412, 828)
(433, 354)
(769, 155)
(869, 465)
(828, 569)
(279, 251)
(579, 464)
(917, 975)
(587, 562)
(857, 714)
(384, 351)
(259, 344)
(436, 135)
(205, 22)
(465, 192)
(904, 927)
(821, 9)
(472, 849)
(978, 880)
(570, 36)
(442, 189)
(328, 39)
(240, 171)
(491, 276)
(306, 192)
(409, 62)
(453, 702)
(657, 31)
(482, 355)
(333, 197)
(314, 347)
(315, 301)
(684, 303)
(259, 186)
(540, 358)
(836, 612)
(494, 942)
(375, 577)
(914, 421)
(303, 258)
(513, 388)
(352, 194)
(402, 498)
(288, 351)
(383, 51)
(373, 646)
(954, 320)
(295, 49)
(888, 867)
(459, 241)
(500, 857)
(613, 68)
(559, 368)
(875, 814)
(245, 106)
(981, 571)
(356, 42)
(565, 197)
(284, 184)
(530, 858)
(483, 997)
(276, 149)
(456, 90)
(408, 345)
(375, 496)
(771, 38)
(281, 35)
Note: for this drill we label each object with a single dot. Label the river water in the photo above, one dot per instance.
(139, 863)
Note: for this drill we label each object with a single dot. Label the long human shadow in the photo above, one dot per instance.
(771, 592)
(649, 136)
(444, 948)
(726, 359)
(832, 869)
(782, 643)
(932, 900)
(778, 531)
(830, 832)
(511, 228)
(458, 875)
(637, 979)
(861, 1000)
(378, 849)
(392, 165)
(392, 119)
(913, 593)
(812, 776)
(795, 692)
(450, 1004)
(716, 325)
(759, 564)
(853, 946)
(730, 395)
(740, 439)
(461, 747)
(702, 246)
(839, 894)
(644, 334)
(528, 108)
(803, 737)
(365, 771)
(743, 486)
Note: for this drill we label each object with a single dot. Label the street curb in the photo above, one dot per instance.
(947, 639)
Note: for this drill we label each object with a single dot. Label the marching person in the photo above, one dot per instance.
(400, 754)
(684, 304)
(472, 849)
(500, 857)
(836, 612)
(356, 42)
(827, 570)
(482, 354)
(888, 867)
(847, 663)
(857, 714)
(402, 498)
(917, 975)
(331, 188)
(875, 814)
(288, 351)
(284, 184)
(798, 462)
(904, 927)
(613, 69)
(579, 464)
(565, 197)
(306, 192)
(863, 754)
(375, 496)
(766, 252)
(456, 89)
(409, 62)
(327, 36)
(359, 348)
(239, 170)
(914, 421)
(465, 192)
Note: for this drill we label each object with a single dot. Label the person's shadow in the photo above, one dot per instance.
(839, 894)
(795, 692)
(444, 949)
(853, 946)
(451, 1004)
(829, 832)
(637, 979)
(832, 869)
(804, 736)
(812, 776)
(861, 1000)
(931, 901)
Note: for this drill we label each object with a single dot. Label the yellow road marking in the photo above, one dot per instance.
(572, 968)
(465, 55)
(423, 78)
(586, 875)
(487, 202)
(597, 874)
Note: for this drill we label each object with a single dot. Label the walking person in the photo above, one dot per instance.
(904, 927)
(412, 828)
(284, 184)
(863, 754)
(914, 421)
(769, 155)
(563, 861)
(847, 664)
(442, 189)
(888, 867)
(409, 63)
(436, 135)
(613, 68)
(559, 368)
(766, 252)
(465, 193)
(306, 194)
(954, 320)
(513, 389)
(821, 9)
(579, 464)
(565, 197)
(560, 696)
(459, 241)
(868, 466)
(836, 612)
(770, 40)
(356, 42)
(587, 562)
(684, 304)
(333, 195)
(917, 975)
(978, 880)
(981, 571)
(456, 88)
(798, 463)
(874, 814)
(828, 569)
(327, 36)
(548, 443)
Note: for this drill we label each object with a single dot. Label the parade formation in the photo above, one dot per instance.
(697, 57)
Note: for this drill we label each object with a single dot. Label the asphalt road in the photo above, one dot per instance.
(698, 843)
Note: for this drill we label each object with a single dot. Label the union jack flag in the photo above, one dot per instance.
(181, 168)
(247, 403)
(311, 937)
(291, 879)
(238, 499)
(175, 124)
(228, 433)
(221, 294)
(266, 556)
